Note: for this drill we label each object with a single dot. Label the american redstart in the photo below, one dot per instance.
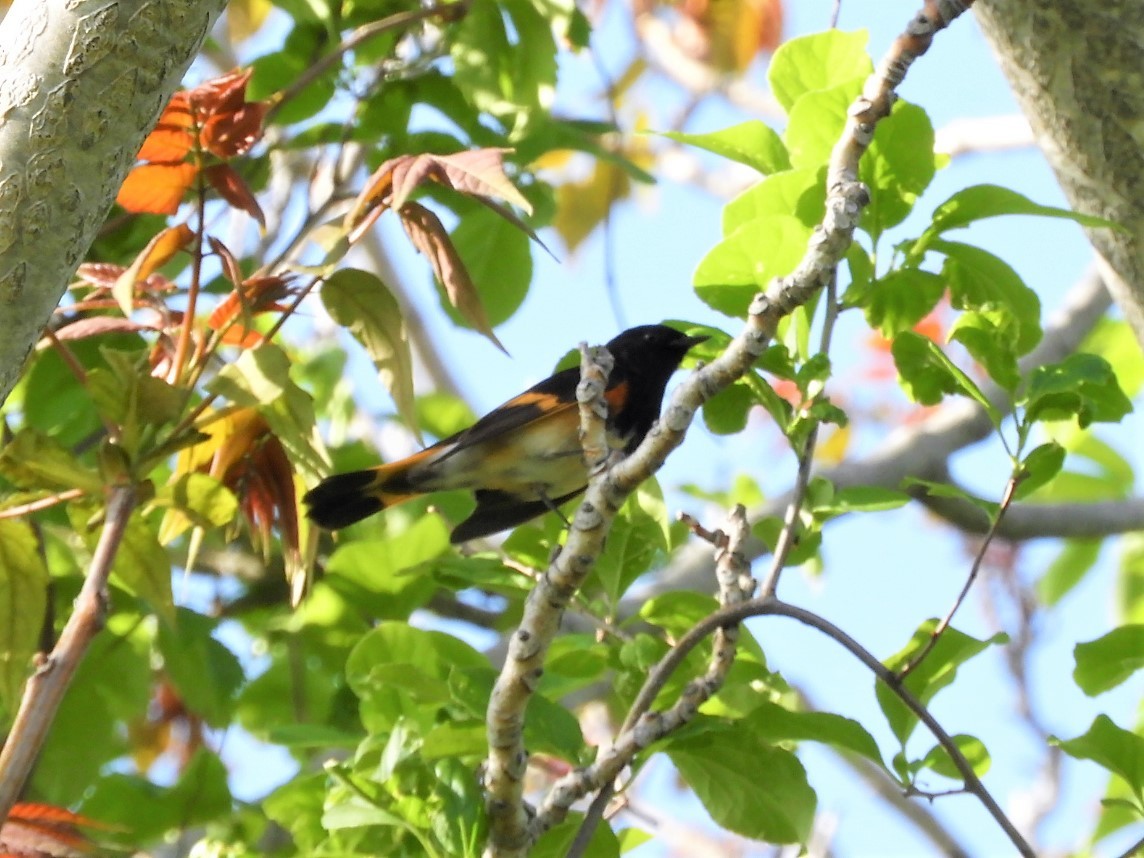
(524, 457)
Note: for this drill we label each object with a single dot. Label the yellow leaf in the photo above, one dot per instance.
(582, 206)
(833, 449)
(244, 18)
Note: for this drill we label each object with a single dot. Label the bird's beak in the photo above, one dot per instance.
(694, 341)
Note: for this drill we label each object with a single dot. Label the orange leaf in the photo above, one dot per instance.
(158, 252)
(233, 188)
(253, 296)
(431, 239)
(156, 188)
(45, 831)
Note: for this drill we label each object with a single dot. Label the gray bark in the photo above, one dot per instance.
(1077, 68)
(81, 84)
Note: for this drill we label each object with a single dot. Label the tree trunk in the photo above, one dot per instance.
(1077, 68)
(81, 84)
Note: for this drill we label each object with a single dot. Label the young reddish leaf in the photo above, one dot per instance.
(230, 267)
(156, 188)
(480, 172)
(158, 252)
(477, 173)
(102, 275)
(233, 133)
(223, 94)
(431, 239)
(253, 296)
(233, 188)
(95, 325)
(45, 831)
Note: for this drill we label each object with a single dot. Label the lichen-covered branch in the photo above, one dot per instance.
(846, 197)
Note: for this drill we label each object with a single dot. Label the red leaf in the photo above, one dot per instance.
(96, 325)
(156, 188)
(230, 134)
(233, 188)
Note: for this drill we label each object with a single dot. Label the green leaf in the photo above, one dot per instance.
(748, 785)
(1077, 557)
(358, 301)
(1081, 385)
(499, 260)
(988, 337)
(388, 577)
(774, 723)
(979, 202)
(557, 841)
(860, 499)
(745, 262)
(726, 412)
(260, 379)
(141, 564)
(901, 299)
(972, 748)
(897, 168)
(753, 143)
(792, 192)
(1113, 340)
(1120, 751)
(1130, 578)
(1041, 465)
(442, 414)
(148, 811)
(816, 62)
(200, 501)
(32, 460)
(23, 601)
(206, 673)
(937, 670)
(395, 669)
(945, 490)
(1109, 660)
(927, 374)
(817, 121)
(980, 281)
(637, 539)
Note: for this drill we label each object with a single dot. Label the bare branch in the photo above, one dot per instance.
(45, 688)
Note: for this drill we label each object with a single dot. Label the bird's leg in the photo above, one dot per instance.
(547, 501)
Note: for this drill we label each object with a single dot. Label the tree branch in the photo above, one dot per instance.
(45, 688)
(82, 83)
(606, 492)
(921, 450)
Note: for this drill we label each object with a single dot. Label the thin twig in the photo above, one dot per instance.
(449, 11)
(42, 503)
(606, 492)
(45, 688)
(773, 607)
(736, 585)
(789, 531)
(940, 628)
